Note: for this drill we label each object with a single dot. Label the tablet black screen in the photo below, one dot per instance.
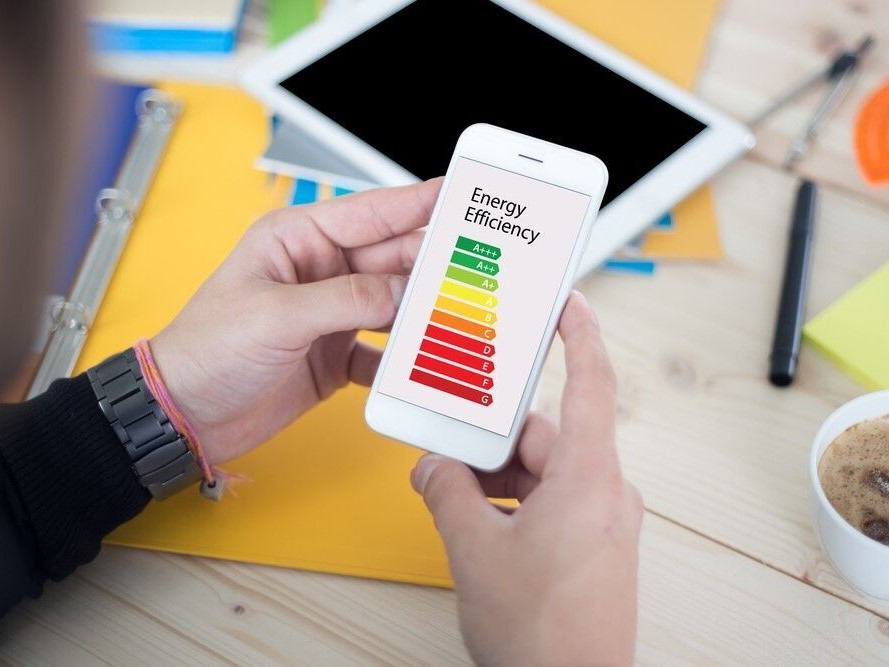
(409, 85)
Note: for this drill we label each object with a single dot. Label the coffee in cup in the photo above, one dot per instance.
(854, 474)
(861, 560)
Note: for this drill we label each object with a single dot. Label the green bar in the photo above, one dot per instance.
(478, 248)
(470, 278)
(475, 263)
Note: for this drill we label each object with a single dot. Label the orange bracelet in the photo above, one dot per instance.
(210, 486)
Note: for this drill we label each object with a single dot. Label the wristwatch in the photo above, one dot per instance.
(161, 457)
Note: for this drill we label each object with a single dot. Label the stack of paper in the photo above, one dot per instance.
(166, 25)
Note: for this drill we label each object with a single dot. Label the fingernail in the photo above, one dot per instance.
(423, 471)
(579, 295)
(396, 286)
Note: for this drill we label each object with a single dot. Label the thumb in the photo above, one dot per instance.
(344, 303)
(454, 497)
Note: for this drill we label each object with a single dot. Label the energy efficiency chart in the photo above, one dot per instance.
(456, 353)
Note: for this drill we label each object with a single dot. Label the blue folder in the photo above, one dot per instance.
(115, 121)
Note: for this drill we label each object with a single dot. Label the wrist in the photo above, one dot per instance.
(164, 456)
(180, 376)
(572, 631)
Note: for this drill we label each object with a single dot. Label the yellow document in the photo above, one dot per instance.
(327, 493)
(852, 331)
(695, 233)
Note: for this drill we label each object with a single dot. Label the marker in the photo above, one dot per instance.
(788, 328)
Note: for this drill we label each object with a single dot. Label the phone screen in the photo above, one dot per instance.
(485, 290)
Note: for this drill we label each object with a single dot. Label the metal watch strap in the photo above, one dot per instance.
(161, 458)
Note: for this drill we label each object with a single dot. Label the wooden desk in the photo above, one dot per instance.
(730, 571)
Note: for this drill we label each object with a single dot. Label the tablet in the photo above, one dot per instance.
(389, 85)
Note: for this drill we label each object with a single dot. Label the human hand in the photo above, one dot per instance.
(272, 332)
(552, 582)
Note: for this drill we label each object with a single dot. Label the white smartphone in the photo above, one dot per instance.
(484, 299)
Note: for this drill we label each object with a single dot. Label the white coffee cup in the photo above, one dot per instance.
(863, 562)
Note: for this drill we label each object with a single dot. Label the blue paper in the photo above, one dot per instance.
(645, 267)
(665, 222)
(304, 192)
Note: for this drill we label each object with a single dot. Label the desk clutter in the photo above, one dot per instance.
(845, 338)
(327, 494)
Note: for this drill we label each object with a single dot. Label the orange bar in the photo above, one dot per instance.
(454, 322)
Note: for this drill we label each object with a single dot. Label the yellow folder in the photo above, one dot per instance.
(326, 493)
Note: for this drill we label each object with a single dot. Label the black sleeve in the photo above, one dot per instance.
(65, 483)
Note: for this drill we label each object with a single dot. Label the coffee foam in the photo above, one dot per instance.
(854, 473)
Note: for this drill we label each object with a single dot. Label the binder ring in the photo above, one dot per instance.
(115, 205)
(70, 315)
(157, 107)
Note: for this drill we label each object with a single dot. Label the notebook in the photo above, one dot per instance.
(165, 25)
(852, 332)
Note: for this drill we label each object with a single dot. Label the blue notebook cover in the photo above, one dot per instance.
(115, 124)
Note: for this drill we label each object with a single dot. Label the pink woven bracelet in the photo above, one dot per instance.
(156, 385)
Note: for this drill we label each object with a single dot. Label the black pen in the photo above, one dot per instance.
(788, 329)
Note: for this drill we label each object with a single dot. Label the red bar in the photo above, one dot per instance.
(457, 356)
(460, 390)
(452, 338)
(456, 372)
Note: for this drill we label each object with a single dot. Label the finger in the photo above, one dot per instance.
(302, 313)
(589, 397)
(364, 218)
(363, 363)
(513, 481)
(536, 442)
(450, 490)
(395, 255)
(522, 475)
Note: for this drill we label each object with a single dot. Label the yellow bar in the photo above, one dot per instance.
(469, 294)
(460, 308)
